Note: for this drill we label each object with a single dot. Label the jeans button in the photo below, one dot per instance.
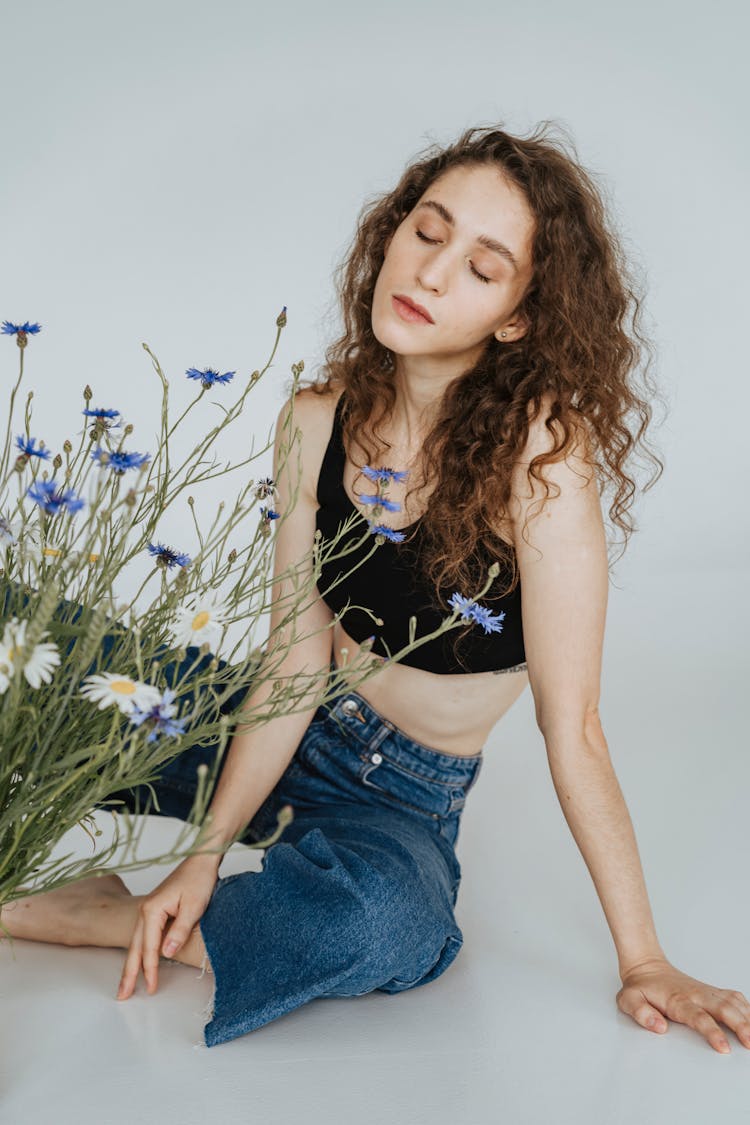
(349, 706)
(376, 758)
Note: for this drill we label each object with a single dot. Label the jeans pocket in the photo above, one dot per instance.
(403, 787)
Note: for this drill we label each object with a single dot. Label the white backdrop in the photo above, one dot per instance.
(174, 173)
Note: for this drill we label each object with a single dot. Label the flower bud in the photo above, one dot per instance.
(285, 816)
(67, 447)
(281, 318)
(205, 648)
(494, 570)
(191, 501)
(88, 394)
(129, 428)
(130, 498)
(56, 461)
(232, 555)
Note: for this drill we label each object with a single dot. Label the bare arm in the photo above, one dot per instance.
(564, 598)
(258, 755)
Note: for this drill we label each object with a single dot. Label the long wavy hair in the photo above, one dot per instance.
(582, 350)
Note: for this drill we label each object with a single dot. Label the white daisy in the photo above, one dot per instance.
(128, 694)
(7, 533)
(38, 666)
(24, 540)
(199, 620)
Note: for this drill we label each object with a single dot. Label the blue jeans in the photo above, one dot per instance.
(358, 893)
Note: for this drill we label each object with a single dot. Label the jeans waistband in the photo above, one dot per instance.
(368, 726)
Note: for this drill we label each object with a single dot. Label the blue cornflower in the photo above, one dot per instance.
(387, 532)
(26, 328)
(166, 557)
(477, 614)
(389, 505)
(384, 474)
(269, 514)
(27, 447)
(161, 715)
(490, 622)
(101, 413)
(105, 422)
(209, 376)
(462, 605)
(118, 462)
(47, 495)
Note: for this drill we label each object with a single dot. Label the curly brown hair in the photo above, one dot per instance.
(580, 355)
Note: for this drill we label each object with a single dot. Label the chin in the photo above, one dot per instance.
(389, 334)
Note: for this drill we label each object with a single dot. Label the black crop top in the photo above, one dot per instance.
(393, 588)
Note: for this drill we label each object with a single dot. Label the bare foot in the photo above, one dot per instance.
(98, 910)
(63, 916)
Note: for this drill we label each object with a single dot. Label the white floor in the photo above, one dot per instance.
(523, 1028)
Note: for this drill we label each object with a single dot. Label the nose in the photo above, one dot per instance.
(435, 268)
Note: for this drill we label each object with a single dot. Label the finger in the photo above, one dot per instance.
(731, 1010)
(132, 963)
(155, 920)
(633, 1003)
(180, 930)
(695, 1015)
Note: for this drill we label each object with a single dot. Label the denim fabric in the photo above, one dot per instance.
(358, 893)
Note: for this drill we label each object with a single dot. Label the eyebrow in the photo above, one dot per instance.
(482, 239)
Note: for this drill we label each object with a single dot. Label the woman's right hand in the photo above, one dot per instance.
(179, 902)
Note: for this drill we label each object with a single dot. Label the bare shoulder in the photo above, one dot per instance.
(545, 434)
(307, 420)
(567, 475)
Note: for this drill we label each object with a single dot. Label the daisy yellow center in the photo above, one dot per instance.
(200, 620)
(122, 687)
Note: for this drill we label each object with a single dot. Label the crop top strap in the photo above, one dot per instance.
(331, 478)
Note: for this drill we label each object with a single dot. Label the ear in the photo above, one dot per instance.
(514, 329)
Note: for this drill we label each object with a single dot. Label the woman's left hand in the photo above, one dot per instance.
(654, 989)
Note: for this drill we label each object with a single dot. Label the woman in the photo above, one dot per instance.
(473, 407)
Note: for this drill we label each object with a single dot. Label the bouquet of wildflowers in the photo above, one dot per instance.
(98, 693)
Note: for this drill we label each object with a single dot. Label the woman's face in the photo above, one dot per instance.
(458, 210)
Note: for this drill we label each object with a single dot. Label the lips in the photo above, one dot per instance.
(413, 305)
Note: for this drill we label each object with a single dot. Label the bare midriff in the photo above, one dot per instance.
(450, 713)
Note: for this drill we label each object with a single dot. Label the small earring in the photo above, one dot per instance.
(503, 333)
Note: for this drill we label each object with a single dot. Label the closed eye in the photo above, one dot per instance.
(433, 241)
